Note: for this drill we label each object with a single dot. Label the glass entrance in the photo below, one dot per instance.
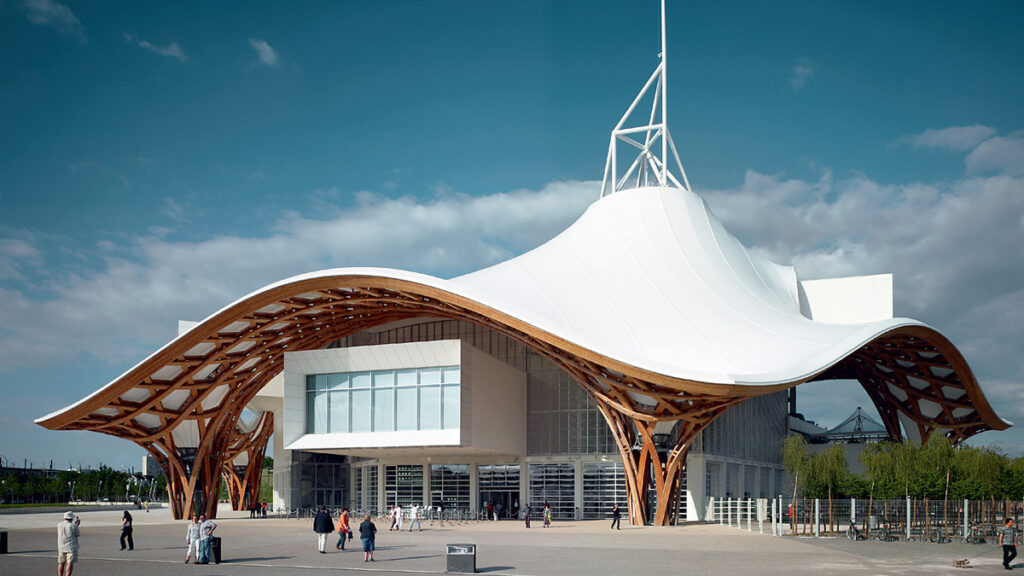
(499, 485)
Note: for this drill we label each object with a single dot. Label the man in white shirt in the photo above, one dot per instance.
(398, 517)
(414, 516)
(67, 544)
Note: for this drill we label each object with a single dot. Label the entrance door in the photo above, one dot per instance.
(507, 499)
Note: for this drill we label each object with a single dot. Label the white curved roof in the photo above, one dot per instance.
(650, 277)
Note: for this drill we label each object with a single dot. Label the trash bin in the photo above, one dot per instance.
(215, 549)
(461, 558)
(3, 541)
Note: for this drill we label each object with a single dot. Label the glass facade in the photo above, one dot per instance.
(561, 417)
(358, 485)
(554, 484)
(319, 479)
(499, 483)
(604, 486)
(449, 486)
(403, 485)
(372, 486)
(383, 400)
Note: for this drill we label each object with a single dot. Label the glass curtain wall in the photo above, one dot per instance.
(383, 400)
(403, 485)
(372, 484)
(319, 479)
(449, 486)
(604, 486)
(556, 485)
(358, 497)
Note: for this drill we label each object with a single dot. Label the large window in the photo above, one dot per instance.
(403, 485)
(384, 400)
(604, 486)
(449, 486)
(556, 485)
(319, 479)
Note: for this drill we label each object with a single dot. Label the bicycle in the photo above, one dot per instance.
(886, 534)
(854, 533)
(975, 534)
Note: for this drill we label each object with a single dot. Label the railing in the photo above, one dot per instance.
(910, 520)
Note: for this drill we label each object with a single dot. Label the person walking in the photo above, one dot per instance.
(67, 544)
(526, 514)
(322, 526)
(616, 517)
(398, 517)
(414, 516)
(343, 530)
(547, 515)
(490, 511)
(206, 528)
(263, 509)
(368, 534)
(126, 530)
(192, 539)
(1008, 540)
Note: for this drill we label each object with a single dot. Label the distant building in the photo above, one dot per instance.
(855, 433)
(150, 467)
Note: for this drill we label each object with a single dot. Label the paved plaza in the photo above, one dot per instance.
(288, 547)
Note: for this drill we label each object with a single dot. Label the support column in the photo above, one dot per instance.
(644, 465)
(244, 481)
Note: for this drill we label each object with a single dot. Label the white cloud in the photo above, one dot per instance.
(961, 138)
(130, 304)
(172, 50)
(267, 55)
(803, 71)
(1002, 154)
(55, 15)
(174, 210)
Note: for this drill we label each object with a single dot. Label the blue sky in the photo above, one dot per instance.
(159, 160)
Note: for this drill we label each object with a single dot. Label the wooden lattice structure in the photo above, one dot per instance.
(204, 379)
(244, 479)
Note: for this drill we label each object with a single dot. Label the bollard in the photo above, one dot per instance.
(908, 519)
(817, 520)
(967, 525)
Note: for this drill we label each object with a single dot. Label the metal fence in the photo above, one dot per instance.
(911, 520)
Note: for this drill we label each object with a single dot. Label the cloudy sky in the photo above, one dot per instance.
(158, 160)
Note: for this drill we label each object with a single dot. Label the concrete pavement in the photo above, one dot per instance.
(287, 547)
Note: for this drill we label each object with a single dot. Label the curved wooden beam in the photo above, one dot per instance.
(223, 362)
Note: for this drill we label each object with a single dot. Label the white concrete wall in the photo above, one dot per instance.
(848, 300)
(495, 405)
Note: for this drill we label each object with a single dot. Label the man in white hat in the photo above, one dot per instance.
(67, 544)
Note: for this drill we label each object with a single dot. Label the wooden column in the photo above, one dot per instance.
(246, 486)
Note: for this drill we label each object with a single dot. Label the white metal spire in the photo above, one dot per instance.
(649, 168)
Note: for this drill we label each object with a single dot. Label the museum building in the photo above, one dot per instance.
(641, 357)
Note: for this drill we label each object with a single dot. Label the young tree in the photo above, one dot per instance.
(797, 461)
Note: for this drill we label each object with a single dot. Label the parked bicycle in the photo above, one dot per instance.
(854, 533)
(885, 533)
